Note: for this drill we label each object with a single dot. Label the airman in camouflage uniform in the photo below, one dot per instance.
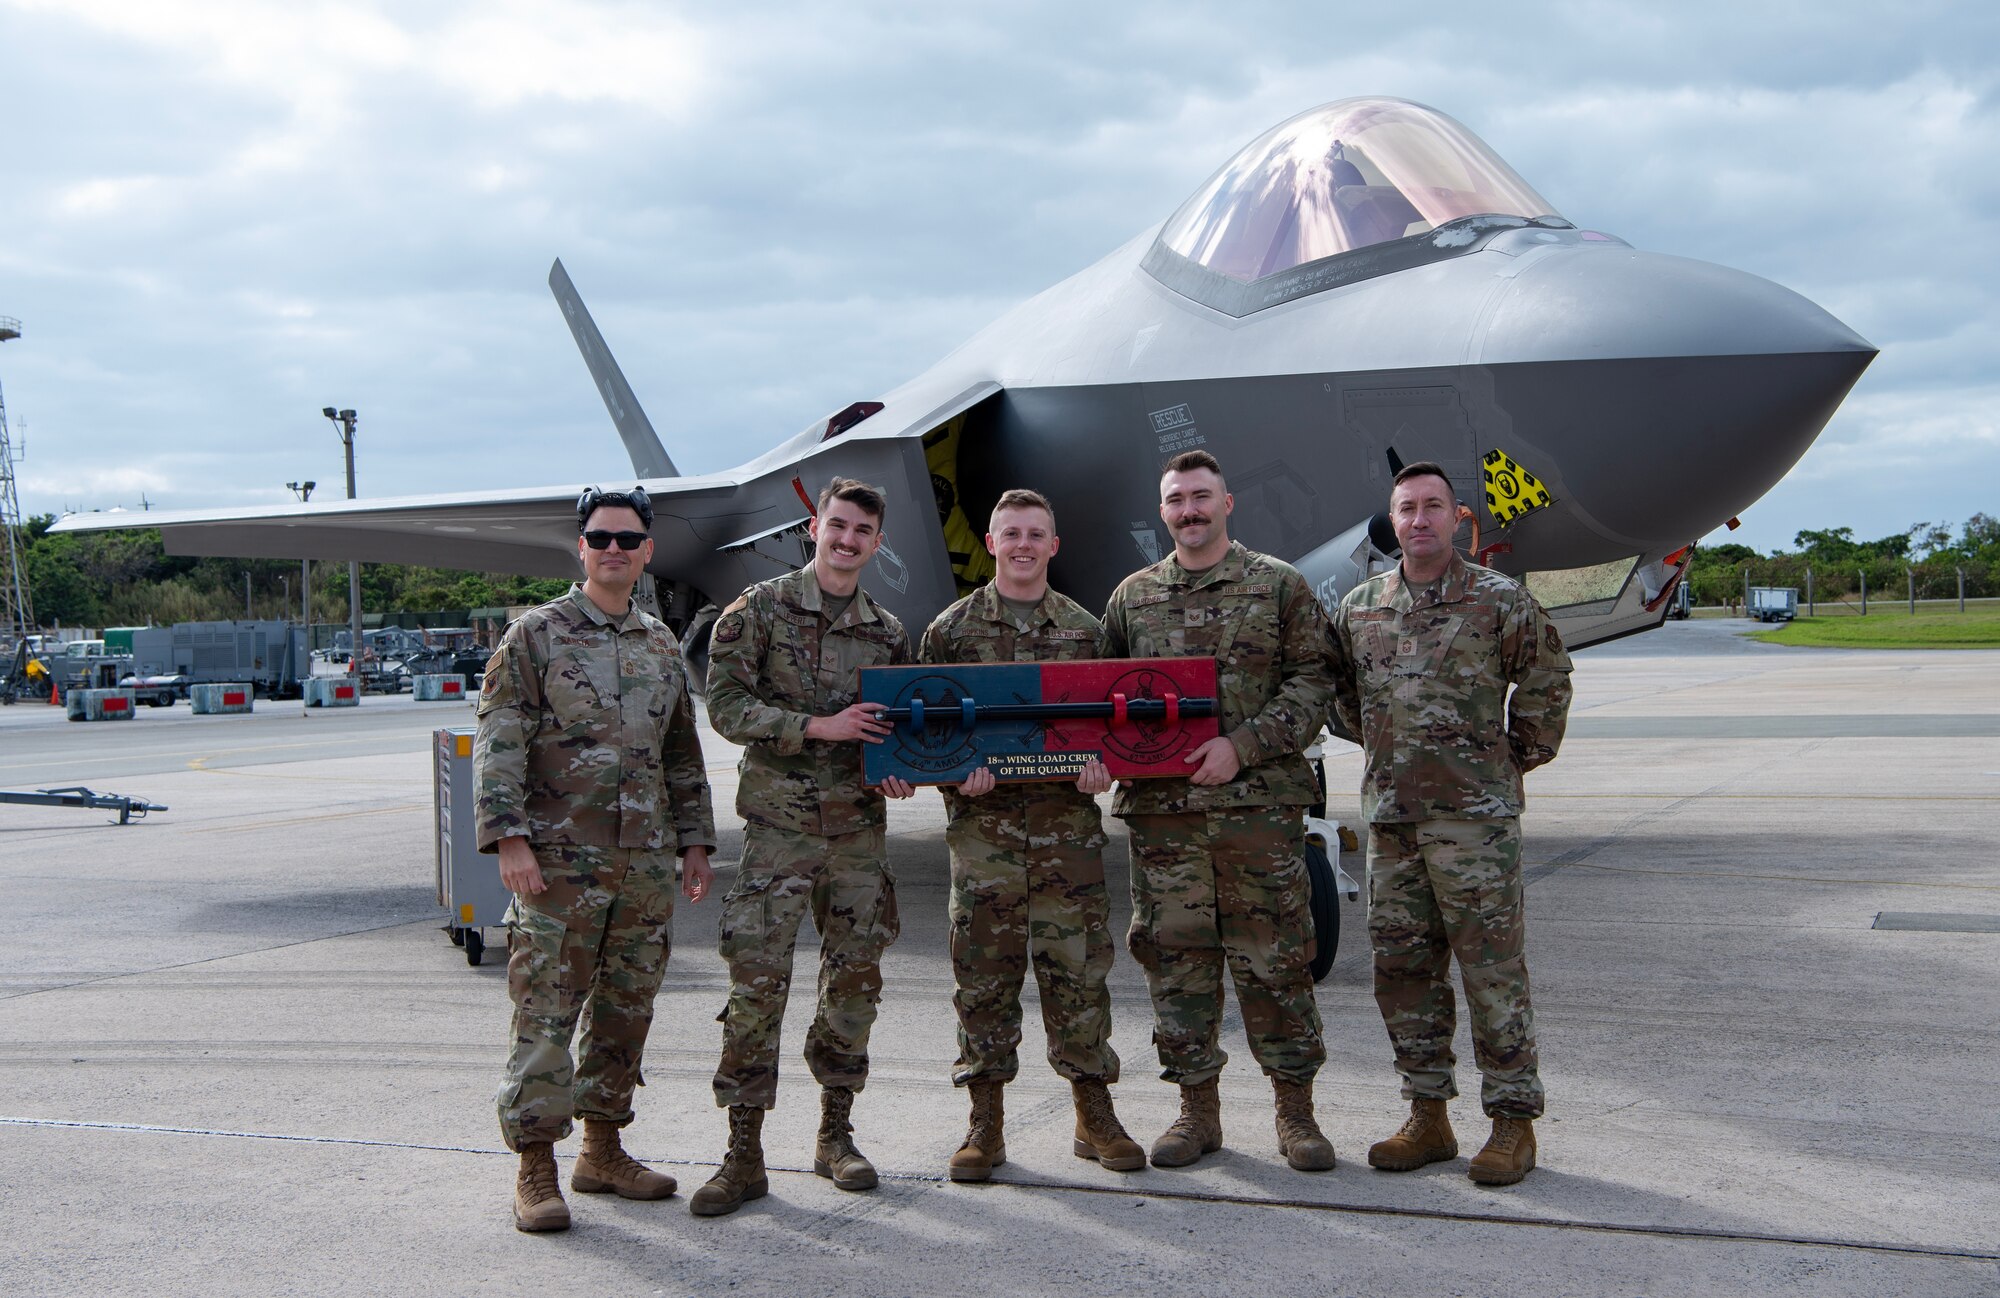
(590, 779)
(1027, 868)
(1218, 865)
(783, 680)
(1423, 660)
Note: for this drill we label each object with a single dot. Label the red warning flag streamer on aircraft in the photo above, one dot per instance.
(799, 485)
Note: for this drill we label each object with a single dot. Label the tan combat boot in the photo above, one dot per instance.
(1099, 1134)
(605, 1167)
(1509, 1154)
(835, 1156)
(1300, 1140)
(741, 1177)
(985, 1146)
(1196, 1132)
(538, 1201)
(1426, 1137)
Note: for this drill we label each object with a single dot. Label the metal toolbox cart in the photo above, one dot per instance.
(468, 884)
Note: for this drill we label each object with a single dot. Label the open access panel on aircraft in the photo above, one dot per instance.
(1040, 721)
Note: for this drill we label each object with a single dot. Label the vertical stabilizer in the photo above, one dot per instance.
(649, 458)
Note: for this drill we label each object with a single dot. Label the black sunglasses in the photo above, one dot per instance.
(602, 540)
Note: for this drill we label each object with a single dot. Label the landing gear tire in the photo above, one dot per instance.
(1325, 910)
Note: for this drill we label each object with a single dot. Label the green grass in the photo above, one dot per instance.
(1890, 626)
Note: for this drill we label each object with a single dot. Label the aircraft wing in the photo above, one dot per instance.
(713, 536)
(528, 531)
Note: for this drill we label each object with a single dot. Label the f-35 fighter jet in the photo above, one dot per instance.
(1363, 286)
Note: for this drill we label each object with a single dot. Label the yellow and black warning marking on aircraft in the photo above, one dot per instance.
(970, 564)
(1512, 493)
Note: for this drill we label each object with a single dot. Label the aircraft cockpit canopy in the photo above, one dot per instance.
(1353, 175)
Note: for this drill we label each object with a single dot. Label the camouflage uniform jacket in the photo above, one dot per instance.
(774, 664)
(587, 735)
(1422, 680)
(1257, 617)
(981, 629)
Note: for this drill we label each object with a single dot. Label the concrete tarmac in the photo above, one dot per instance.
(237, 1055)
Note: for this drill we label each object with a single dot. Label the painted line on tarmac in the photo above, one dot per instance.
(1505, 1219)
(149, 1129)
(39, 764)
(259, 826)
(1776, 878)
(1074, 1187)
(1771, 797)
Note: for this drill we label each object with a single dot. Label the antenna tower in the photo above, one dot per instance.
(17, 614)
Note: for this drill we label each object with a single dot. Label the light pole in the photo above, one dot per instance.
(343, 422)
(304, 491)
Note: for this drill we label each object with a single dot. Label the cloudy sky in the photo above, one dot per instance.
(220, 216)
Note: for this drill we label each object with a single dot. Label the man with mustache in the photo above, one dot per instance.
(590, 779)
(783, 674)
(1218, 859)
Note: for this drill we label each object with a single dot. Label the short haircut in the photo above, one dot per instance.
(1022, 498)
(855, 492)
(1187, 460)
(1424, 469)
(594, 499)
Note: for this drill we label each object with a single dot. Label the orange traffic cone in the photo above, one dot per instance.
(55, 693)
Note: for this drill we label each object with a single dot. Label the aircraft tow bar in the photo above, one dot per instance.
(125, 805)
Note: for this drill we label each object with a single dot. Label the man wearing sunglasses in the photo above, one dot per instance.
(783, 675)
(590, 780)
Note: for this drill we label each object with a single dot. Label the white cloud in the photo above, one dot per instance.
(631, 55)
(233, 212)
(103, 197)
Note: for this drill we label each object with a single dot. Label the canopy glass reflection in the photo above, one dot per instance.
(1346, 175)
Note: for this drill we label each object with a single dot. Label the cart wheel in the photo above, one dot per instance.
(456, 934)
(475, 946)
(1325, 909)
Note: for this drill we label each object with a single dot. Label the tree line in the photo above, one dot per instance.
(1933, 552)
(100, 579)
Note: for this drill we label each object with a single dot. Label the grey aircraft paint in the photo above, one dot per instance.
(1654, 396)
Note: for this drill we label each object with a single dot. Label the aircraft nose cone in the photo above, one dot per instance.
(1666, 394)
(1579, 302)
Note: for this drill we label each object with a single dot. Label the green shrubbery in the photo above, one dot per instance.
(127, 579)
(1838, 562)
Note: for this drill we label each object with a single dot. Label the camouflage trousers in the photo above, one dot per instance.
(1438, 888)
(1217, 887)
(1027, 885)
(844, 881)
(593, 945)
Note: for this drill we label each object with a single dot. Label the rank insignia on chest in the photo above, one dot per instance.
(1406, 646)
(1194, 616)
